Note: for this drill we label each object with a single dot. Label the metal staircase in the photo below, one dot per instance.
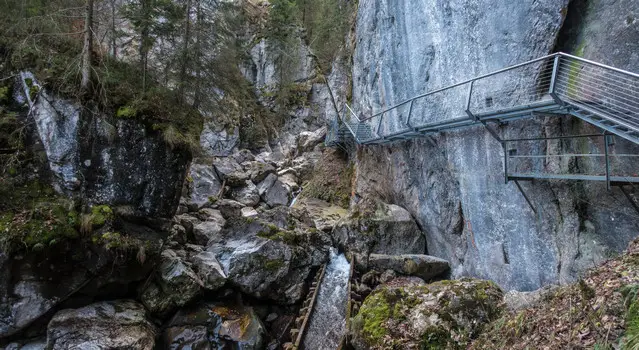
(558, 85)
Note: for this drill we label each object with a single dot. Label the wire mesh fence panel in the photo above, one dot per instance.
(519, 86)
(393, 122)
(440, 107)
(601, 89)
(583, 158)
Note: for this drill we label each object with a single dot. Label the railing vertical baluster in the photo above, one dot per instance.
(379, 124)
(470, 95)
(553, 81)
(410, 113)
(504, 145)
(606, 139)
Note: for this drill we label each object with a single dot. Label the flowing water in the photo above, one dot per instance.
(328, 320)
(295, 196)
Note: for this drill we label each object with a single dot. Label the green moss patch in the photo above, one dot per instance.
(101, 214)
(273, 232)
(441, 315)
(39, 219)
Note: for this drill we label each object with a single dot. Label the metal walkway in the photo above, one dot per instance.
(557, 85)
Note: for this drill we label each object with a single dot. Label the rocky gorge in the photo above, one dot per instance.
(139, 227)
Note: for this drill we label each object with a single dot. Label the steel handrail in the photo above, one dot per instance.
(554, 77)
(464, 83)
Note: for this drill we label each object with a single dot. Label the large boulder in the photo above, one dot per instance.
(382, 228)
(34, 283)
(247, 194)
(230, 171)
(217, 141)
(257, 170)
(324, 215)
(213, 223)
(117, 324)
(266, 184)
(307, 140)
(215, 326)
(425, 267)
(270, 256)
(277, 194)
(209, 270)
(204, 184)
(440, 315)
(176, 285)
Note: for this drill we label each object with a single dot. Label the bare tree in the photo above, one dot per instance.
(88, 47)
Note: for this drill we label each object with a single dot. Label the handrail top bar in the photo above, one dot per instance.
(353, 113)
(463, 83)
(599, 64)
(557, 54)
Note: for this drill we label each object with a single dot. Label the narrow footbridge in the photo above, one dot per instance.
(555, 85)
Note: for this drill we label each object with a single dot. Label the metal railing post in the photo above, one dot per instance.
(410, 113)
(470, 95)
(379, 124)
(505, 147)
(553, 81)
(606, 139)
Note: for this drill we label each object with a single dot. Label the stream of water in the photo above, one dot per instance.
(327, 324)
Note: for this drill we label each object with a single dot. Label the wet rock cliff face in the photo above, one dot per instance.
(453, 182)
(105, 160)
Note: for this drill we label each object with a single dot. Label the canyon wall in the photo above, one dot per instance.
(453, 182)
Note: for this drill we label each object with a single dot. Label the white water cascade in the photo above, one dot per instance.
(328, 320)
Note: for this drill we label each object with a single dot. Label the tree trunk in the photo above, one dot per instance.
(144, 39)
(88, 47)
(185, 52)
(198, 56)
(114, 47)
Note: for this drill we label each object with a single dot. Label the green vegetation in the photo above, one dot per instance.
(45, 38)
(332, 180)
(630, 339)
(273, 232)
(374, 315)
(273, 264)
(327, 23)
(33, 217)
(599, 311)
(101, 214)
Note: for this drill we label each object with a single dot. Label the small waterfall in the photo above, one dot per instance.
(295, 196)
(328, 320)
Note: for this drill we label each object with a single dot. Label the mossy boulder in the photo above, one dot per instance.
(379, 228)
(270, 256)
(441, 315)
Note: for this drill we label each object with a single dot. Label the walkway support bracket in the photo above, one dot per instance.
(521, 189)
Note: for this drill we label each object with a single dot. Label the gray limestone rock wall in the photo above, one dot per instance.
(453, 183)
(105, 160)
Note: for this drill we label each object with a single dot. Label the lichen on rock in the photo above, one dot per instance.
(445, 314)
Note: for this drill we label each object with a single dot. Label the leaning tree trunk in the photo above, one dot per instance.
(88, 47)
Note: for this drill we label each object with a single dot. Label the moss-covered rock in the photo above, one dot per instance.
(379, 228)
(441, 315)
